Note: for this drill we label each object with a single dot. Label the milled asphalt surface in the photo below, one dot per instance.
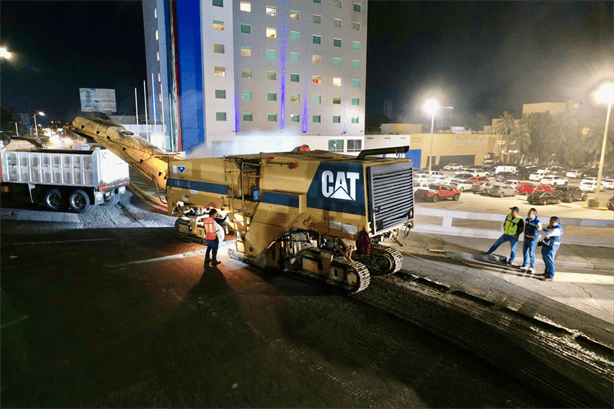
(584, 279)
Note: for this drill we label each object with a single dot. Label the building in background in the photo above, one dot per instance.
(240, 76)
(552, 107)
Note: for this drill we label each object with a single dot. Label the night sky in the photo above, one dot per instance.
(479, 57)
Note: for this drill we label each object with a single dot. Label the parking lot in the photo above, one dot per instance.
(481, 203)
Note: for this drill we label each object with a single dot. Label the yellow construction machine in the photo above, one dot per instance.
(300, 211)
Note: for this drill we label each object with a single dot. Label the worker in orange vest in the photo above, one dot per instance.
(211, 236)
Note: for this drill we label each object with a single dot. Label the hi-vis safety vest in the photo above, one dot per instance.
(209, 226)
(511, 225)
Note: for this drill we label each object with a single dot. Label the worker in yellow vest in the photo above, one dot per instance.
(513, 226)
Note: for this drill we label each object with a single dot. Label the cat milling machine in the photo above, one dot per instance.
(301, 211)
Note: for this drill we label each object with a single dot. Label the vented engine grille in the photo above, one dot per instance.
(391, 195)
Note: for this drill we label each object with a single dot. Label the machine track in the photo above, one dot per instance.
(383, 260)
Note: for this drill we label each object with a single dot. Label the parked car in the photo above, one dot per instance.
(610, 203)
(574, 173)
(505, 168)
(453, 166)
(525, 188)
(538, 174)
(543, 198)
(436, 192)
(476, 179)
(554, 180)
(479, 187)
(463, 175)
(544, 188)
(512, 182)
(420, 185)
(607, 183)
(461, 184)
(433, 171)
(503, 176)
(590, 185)
(500, 190)
(591, 172)
(570, 193)
(555, 170)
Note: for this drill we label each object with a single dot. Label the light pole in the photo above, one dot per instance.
(605, 94)
(35, 126)
(431, 106)
(4, 53)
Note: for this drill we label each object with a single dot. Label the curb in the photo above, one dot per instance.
(152, 201)
(503, 259)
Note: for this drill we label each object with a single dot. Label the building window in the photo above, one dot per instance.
(295, 36)
(336, 100)
(220, 93)
(295, 98)
(317, 40)
(356, 45)
(338, 3)
(294, 15)
(356, 83)
(294, 57)
(317, 19)
(354, 145)
(335, 145)
(271, 54)
(316, 118)
(156, 12)
(220, 71)
(316, 79)
(356, 26)
(316, 59)
(295, 118)
(248, 117)
(158, 55)
(271, 32)
(246, 52)
(355, 64)
(337, 62)
(246, 29)
(317, 1)
(272, 117)
(270, 11)
(218, 25)
(247, 74)
(316, 99)
(336, 81)
(337, 42)
(336, 119)
(246, 95)
(357, 7)
(355, 101)
(271, 96)
(337, 22)
(294, 78)
(271, 75)
(156, 35)
(218, 48)
(245, 6)
(218, 3)
(220, 116)
(354, 119)
(159, 79)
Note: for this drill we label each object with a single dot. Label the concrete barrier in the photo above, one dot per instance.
(446, 228)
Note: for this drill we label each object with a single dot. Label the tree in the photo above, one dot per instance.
(562, 130)
(520, 140)
(538, 123)
(594, 140)
(505, 126)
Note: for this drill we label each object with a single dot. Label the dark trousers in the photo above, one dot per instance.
(212, 246)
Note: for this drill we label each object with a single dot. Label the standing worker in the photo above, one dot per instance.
(531, 233)
(513, 226)
(550, 244)
(211, 236)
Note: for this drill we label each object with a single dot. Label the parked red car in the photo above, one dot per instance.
(476, 179)
(526, 188)
(435, 192)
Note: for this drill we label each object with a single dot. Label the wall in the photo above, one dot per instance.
(401, 128)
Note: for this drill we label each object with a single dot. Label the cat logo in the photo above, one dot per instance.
(342, 186)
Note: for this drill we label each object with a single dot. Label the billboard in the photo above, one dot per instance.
(97, 100)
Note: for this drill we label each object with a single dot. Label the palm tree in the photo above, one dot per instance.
(594, 140)
(520, 139)
(563, 127)
(505, 126)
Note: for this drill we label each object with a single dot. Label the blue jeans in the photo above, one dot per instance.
(504, 238)
(212, 246)
(528, 250)
(548, 255)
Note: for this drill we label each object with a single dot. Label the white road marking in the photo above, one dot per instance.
(53, 242)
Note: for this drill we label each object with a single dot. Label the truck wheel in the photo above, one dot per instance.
(501, 194)
(112, 200)
(53, 200)
(456, 197)
(436, 198)
(79, 201)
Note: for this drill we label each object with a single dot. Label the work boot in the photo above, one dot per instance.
(215, 262)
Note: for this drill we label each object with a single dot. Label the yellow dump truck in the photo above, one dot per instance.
(302, 211)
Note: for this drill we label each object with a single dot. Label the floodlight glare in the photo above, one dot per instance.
(4, 53)
(431, 106)
(605, 93)
(41, 113)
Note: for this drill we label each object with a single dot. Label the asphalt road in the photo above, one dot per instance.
(109, 309)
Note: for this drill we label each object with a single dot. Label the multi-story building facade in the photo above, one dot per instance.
(281, 72)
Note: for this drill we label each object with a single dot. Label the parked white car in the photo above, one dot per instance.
(607, 183)
(512, 182)
(554, 180)
(453, 166)
(477, 172)
(461, 184)
(590, 186)
(537, 175)
(420, 185)
(574, 173)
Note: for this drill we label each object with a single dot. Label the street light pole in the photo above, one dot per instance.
(604, 94)
(431, 153)
(35, 126)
